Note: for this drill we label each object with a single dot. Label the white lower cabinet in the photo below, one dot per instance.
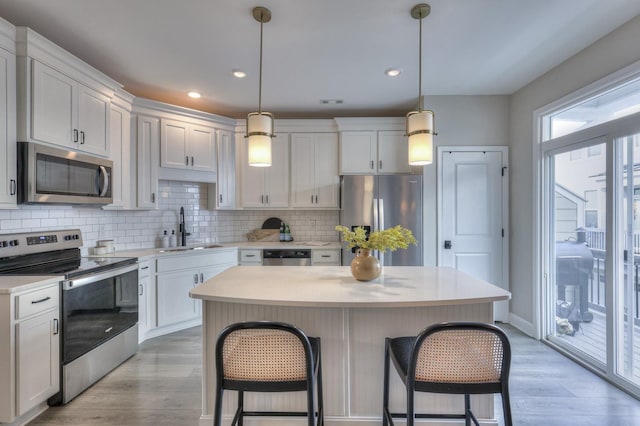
(144, 297)
(177, 275)
(30, 353)
(37, 360)
(325, 257)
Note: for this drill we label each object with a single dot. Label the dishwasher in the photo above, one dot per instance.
(286, 257)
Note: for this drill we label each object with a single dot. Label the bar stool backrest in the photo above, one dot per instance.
(265, 355)
(461, 353)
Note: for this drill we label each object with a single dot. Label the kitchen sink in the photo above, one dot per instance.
(178, 249)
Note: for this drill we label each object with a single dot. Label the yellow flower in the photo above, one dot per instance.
(390, 239)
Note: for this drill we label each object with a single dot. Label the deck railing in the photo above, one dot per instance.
(595, 240)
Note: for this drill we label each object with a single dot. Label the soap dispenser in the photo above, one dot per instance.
(173, 240)
(165, 240)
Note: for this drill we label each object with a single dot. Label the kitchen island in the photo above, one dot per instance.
(352, 318)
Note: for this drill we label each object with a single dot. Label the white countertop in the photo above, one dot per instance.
(148, 252)
(334, 286)
(14, 283)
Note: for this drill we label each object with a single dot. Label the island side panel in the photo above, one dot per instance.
(367, 330)
(327, 323)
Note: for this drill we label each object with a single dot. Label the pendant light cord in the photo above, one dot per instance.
(420, 67)
(260, 78)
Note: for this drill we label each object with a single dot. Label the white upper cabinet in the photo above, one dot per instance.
(374, 152)
(268, 187)
(187, 146)
(120, 134)
(67, 113)
(314, 170)
(147, 144)
(61, 100)
(226, 185)
(8, 179)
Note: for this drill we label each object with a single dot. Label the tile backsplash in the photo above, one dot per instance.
(132, 229)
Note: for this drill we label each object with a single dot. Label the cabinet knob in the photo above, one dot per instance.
(82, 137)
(192, 161)
(141, 290)
(201, 277)
(153, 197)
(220, 197)
(56, 326)
(12, 187)
(186, 160)
(75, 135)
(380, 164)
(266, 197)
(371, 164)
(195, 278)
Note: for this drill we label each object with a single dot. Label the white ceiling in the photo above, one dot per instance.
(322, 49)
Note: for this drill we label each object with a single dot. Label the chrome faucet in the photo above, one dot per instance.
(182, 228)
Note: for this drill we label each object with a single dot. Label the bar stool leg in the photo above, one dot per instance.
(385, 391)
(241, 408)
(467, 410)
(320, 391)
(217, 409)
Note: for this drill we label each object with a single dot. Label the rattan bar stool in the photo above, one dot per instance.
(265, 356)
(455, 358)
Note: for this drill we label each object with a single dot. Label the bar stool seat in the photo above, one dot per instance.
(267, 356)
(455, 358)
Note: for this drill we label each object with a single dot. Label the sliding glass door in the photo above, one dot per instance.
(592, 251)
(577, 303)
(627, 261)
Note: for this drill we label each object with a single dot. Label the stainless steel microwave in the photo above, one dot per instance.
(57, 176)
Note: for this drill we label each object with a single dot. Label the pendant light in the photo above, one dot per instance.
(420, 123)
(260, 124)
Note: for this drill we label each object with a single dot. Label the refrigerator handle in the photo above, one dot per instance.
(381, 225)
(375, 214)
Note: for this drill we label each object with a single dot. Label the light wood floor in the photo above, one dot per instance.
(160, 385)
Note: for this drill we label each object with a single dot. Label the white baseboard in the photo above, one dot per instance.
(161, 331)
(526, 327)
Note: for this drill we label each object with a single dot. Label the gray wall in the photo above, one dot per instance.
(611, 53)
(460, 120)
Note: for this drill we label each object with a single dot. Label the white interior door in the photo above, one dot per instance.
(472, 219)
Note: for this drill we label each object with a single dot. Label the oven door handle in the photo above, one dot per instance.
(90, 279)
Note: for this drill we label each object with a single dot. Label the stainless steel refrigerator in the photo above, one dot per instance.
(380, 202)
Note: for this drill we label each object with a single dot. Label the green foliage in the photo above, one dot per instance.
(390, 239)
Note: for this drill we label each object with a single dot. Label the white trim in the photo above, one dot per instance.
(539, 147)
(523, 325)
(504, 150)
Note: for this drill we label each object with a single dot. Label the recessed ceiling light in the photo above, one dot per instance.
(194, 95)
(331, 101)
(393, 72)
(239, 74)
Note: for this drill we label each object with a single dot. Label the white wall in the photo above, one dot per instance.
(460, 120)
(611, 53)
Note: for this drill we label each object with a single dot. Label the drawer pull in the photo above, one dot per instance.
(326, 255)
(249, 255)
(108, 330)
(33, 302)
(56, 326)
(145, 267)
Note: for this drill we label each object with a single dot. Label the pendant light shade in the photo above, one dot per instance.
(260, 124)
(259, 134)
(420, 123)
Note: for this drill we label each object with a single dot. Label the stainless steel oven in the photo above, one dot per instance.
(99, 303)
(56, 176)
